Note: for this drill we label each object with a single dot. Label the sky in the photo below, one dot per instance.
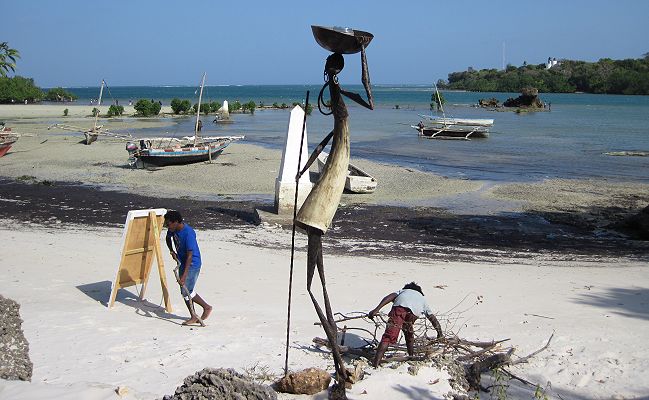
(143, 42)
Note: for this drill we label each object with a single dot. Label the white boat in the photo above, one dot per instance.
(358, 181)
(452, 128)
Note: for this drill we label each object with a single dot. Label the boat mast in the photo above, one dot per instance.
(439, 100)
(198, 110)
(101, 92)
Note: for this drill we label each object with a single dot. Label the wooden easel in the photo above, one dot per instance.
(141, 243)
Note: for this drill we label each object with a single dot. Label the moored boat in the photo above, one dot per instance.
(161, 152)
(357, 180)
(452, 128)
(7, 139)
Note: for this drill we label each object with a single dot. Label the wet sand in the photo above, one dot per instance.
(48, 176)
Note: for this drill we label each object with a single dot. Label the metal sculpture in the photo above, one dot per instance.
(318, 209)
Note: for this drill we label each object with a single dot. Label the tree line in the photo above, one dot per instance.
(606, 76)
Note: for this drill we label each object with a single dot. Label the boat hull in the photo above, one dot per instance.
(453, 132)
(360, 184)
(4, 148)
(183, 156)
(356, 181)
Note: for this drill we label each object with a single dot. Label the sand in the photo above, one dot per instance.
(61, 276)
(81, 349)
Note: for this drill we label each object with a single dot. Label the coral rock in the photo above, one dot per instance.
(308, 381)
(222, 384)
(14, 349)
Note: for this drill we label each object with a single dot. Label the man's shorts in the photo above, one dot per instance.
(190, 280)
(400, 318)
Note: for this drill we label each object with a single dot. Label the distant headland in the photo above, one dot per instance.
(606, 76)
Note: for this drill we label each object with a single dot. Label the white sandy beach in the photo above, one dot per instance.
(81, 349)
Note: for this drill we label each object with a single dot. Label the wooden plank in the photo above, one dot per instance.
(160, 261)
(137, 251)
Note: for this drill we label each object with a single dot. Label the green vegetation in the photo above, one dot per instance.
(249, 107)
(606, 76)
(205, 108)
(215, 106)
(19, 89)
(180, 106)
(59, 94)
(65, 112)
(236, 106)
(437, 100)
(8, 58)
(95, 111)
(147, 108)
(115, 110)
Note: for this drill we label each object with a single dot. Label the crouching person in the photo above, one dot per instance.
(408, 305)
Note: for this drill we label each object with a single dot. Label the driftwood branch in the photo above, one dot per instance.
(477, 357)
(527, 357)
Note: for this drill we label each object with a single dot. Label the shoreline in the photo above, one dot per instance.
(421, 212)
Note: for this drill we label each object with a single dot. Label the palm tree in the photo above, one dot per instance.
(7, 59)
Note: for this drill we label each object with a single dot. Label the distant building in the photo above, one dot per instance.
(551, 63)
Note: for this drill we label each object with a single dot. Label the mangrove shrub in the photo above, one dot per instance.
(147, 108)
(19, 89)
(59, 94)
(180, 106)
(115, 110)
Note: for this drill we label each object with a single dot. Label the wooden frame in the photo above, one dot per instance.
(140, 245)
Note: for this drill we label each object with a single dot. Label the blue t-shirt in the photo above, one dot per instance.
(185, 240)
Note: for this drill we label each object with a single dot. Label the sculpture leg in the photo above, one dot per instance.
(314, 259)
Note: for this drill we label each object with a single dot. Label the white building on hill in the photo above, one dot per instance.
(551, 63)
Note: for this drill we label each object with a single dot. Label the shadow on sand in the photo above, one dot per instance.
(627, 302)
(100, 291)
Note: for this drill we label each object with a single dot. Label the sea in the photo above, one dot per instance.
(574, 139)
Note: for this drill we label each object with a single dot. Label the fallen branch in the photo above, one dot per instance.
(524, 359)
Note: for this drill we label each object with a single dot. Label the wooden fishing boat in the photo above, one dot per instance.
(161, 152)
(357, 180)
(91, 135)
(7, 139)
(452, 128)
(177, 151)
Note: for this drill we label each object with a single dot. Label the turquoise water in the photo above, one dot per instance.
(568, 142)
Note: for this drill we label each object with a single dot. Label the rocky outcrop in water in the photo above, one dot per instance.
(529, 98)
(489, 103)
(222, 384)
(14, 349)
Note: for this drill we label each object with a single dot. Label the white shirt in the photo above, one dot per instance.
(413, 300)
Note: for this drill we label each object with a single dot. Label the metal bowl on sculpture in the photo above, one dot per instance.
(341, 40)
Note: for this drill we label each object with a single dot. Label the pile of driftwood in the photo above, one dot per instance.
(470, 358)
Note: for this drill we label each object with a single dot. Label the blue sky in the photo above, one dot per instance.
(76, 43)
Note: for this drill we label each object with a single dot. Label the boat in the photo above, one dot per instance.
(91, 135)
(223, 115)
(166, 151)
(357, 181)
(452, 128)
(7, 139)
(161, 152)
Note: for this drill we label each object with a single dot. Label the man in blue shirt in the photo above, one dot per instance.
(182, 237)
(408, 304)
